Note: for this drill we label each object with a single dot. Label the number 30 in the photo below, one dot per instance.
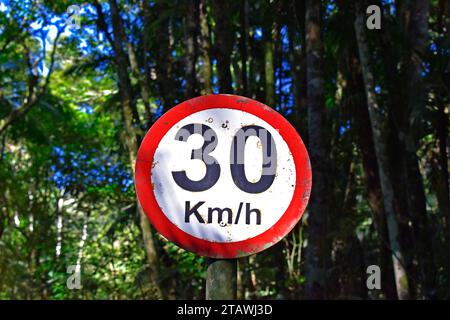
(237, 167)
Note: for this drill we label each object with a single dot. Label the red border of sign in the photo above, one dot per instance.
(203, 247)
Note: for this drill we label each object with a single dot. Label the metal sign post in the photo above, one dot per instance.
(221, 278)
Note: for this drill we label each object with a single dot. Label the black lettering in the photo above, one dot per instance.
(248, 212)
(188, 211)
(220, 214)
(238, 215)
(212, 167)
(194, 210)
(269, 152)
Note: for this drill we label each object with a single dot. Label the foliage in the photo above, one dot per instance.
(66, 187)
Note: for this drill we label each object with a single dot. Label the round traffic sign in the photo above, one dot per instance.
(223, 176)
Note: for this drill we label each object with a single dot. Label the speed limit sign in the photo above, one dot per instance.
(223, 176)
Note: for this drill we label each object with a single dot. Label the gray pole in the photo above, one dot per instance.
(221, 279)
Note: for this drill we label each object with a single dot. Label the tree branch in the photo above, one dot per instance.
(33, 93)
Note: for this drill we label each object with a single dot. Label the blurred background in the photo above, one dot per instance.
(81, 83)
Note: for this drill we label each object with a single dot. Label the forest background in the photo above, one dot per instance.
(79, 88)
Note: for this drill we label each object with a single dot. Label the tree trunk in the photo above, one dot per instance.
(221, 279)
(163, 56)
(406, 109)
(130, 136)
(409, 133)
(191, 27)
(442, 179)
(374, 195)
(298, 65)
(269, 66)
(395, 106)
(145, 59)
(441, 176)
(376, 122)
(364, 140)
(145, 95)
(205, 48)
(442, 134)
(318, 206)
(243, 44)
(224, 44)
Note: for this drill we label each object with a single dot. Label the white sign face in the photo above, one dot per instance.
(223, 175)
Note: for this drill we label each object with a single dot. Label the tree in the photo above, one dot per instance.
(223, 44)
(376, 122)
(269, 31)
(130, 135)
(191, 27)
(205, 47)
(318, 206)
(409, 129)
